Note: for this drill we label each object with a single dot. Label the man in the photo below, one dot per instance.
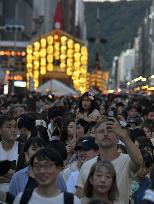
(24, 179)
(46, 165)
(26, 126)
(107, 135)
(8, 150)
(85, 149)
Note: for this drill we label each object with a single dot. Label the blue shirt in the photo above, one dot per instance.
(20, 179)
(139, 194)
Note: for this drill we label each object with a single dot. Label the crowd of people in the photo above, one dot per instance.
(93, 149)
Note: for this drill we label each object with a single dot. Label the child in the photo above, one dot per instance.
(101, 183)
(88, 108)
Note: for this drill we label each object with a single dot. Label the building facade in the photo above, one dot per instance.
(15, 32)
(144, 47)
(44, 12)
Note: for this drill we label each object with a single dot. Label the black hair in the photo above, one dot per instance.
(113, 191)
(145, 144)
(57, 125)
(55, 112)
(27, 121)
(89, 127)
(4, 118)
(60, 147)
(149, 124)
(96, 201)
(150, 109)
(48, 154)
(64, 134)
(34, 141)
(147, 158)
(94, 104)
(120, 104)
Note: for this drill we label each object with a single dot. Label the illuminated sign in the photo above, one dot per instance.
(20, 84)
(15, 77)
(12, 53)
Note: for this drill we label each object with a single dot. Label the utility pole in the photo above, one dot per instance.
(98, 40)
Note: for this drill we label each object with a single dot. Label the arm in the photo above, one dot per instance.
(79, 192)
(136, 159)
(93, 117)
(134, 153)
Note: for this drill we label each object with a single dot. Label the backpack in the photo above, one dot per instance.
(68, 197)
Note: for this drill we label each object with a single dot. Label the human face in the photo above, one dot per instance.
(102, 109)
(85, 155)
(151, 116)
(102, 181)
(147, 132)
(9, 131)
(24, 132)
(104, 137)
(19, 111)
(92, 132)
(143, 172)
(79, 131)
(137, 143)
(31, 151)
(45, 172)
(132, 113)
(120, 109)
(70, 128)
(86, 103)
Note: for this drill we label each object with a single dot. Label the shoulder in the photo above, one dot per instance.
(17, 198)
(94, 112)
(89, 162)
(85, 200)
(21, 172)
(122, 161)
(123, 157)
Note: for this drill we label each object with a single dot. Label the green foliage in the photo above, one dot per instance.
(119, 25)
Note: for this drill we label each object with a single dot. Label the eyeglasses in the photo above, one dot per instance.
(46, 167)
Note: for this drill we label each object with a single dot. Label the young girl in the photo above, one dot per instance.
(88, 108)
(101, 183)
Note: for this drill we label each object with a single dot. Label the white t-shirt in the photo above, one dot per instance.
(71, 183)
(124, 178)
(10, 155)
(69, 169)
(38, 199)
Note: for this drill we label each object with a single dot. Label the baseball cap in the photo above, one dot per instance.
(86, 143)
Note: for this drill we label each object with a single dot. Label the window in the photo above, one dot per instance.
(1, 8)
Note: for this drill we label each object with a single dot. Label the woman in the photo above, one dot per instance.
(68, 137)
(101, 183)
